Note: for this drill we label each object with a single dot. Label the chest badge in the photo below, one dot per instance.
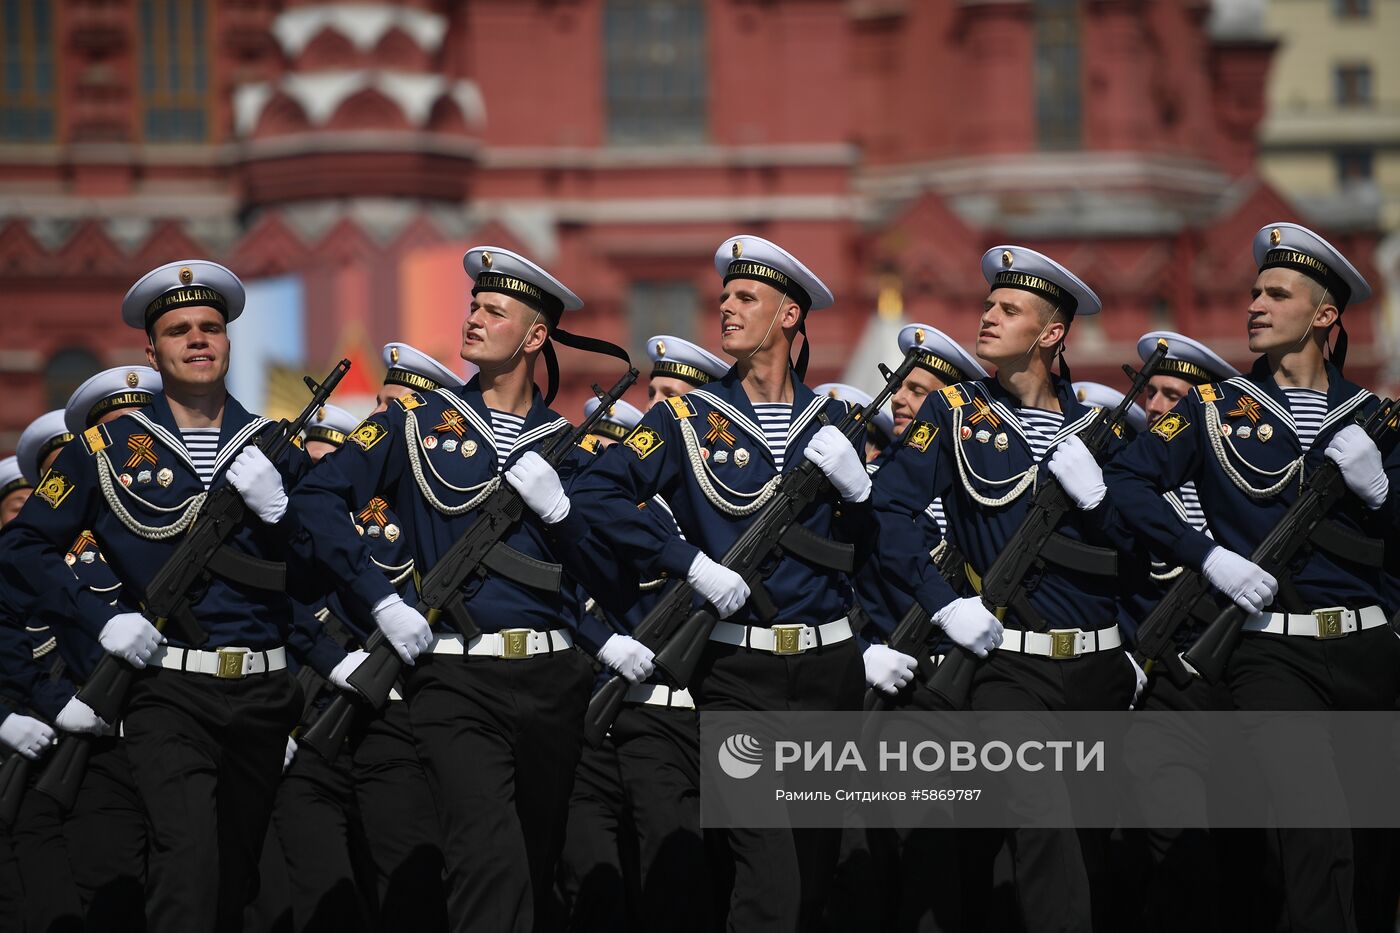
(1246, 407)
(1243, 433)
(1001, 442)
(450, 445)
(391, 532)
(1225, 429)
(125, 479)
(165, 477)
(964, 432)
(983, 436)
(719, 429)
(1265, 432)
(469, 448)
(430, 442)
(452, 421)
(741, 457)
(142, 450)
(721, 456)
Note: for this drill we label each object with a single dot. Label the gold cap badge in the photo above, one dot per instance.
(132, 380)
(738, 249)
(1007, 259)
(393, 354)
(1275, 236)
(186, 276)
(321, 413)
(486, 260)
(919, 336)
(660, 348)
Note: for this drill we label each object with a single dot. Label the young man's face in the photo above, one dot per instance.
(746, 317)
(498, 328)
(1161, 395)
(1013, 321)
(660, 388)
(11, 504)
(910, 395)
(189, 347)
(1284, 310)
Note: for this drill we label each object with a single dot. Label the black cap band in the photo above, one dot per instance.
(1184, 370)
(403, 377)
(15, 485)
(1281, 257)
(939, 366)
(50, 445)
(682, 371)
(185, 296)
(1045, 288)
(132, 399)
(611, 429)
(531, 294)
(748, 269)
(326, 435)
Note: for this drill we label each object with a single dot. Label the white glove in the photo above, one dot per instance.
(340, 674)
(539, 486)
(968, 623)
(887, 670)
(403, 626)
(1140, 676)
(722, 588)
(129, 636)
(1239, 578)
(289, 754)
(26, 735)
(77, 716)
(259, 483)
(1078, 472)
(628, 657)
(1359, 459)
(830, 450)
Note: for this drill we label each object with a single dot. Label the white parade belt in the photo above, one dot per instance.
(1061, 643)
(511, 643)
(224, 663)
(782, 639)
(659, 695)
(1320, 623)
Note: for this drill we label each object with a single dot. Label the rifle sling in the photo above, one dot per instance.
(1077, 556)
(505, 561)
(244, 569)
(802, 543)
(1346, 544)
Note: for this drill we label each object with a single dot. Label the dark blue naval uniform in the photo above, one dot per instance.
(499, 738)
(1236, 439)
(190, 738)
(710, 437)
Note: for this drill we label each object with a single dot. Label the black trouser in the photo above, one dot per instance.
(658, 757)
(206, 755)
(318, 825)
(500, 740)
(1052, 868)
(400, 822)
(599, 856)
(51, 902)
(1360, 671)
(106, 835)
(780, 876)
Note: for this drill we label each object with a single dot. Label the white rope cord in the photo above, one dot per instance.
(707, 480)
(415, 463)
(1167, 575)
(1218, 442)
(106, 480)
(45, 648)
(403, 571)
(1023, 481)
(650, 585)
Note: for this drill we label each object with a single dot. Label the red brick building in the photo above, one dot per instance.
(354, 150)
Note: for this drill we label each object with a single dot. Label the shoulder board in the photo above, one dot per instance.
(590, 444)
(96, 438)
(955, 396)
(681, 407)
(298, 443)
(920, 435)
(410, 401)
(1207, 393)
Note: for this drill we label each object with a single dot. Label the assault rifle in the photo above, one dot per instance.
(677, 633)
(479, 551)
(915, 630)
(201, 552)
(1002, 583)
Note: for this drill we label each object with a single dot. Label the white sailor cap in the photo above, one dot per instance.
(409, 366)
(750, 257)
(45, 434)
(331, 424)
(11, 478)
(1019, 267)
(1289, 246)
(882, 423)
(1186, 358)
(1098, 395)
(681, 359)
(939, 353)
(494, 269)
(617, 422)
(118, 387)
(182, 284)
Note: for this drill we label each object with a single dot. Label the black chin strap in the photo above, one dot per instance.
(1338, 354)
(804, 354)
(1064, 365)
(577, 342)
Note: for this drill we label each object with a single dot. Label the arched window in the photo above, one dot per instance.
(655, 71)
(174, 57)
(27, 95)
(1057, 79)
(65, 371)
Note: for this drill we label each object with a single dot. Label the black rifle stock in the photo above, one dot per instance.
(440, 592)
(167, 596)
(953, 679)
(1320, 494)
(14, 778)
(1190, 596)
(677, 634)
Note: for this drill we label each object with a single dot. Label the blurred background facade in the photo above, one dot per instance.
(340, 157)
